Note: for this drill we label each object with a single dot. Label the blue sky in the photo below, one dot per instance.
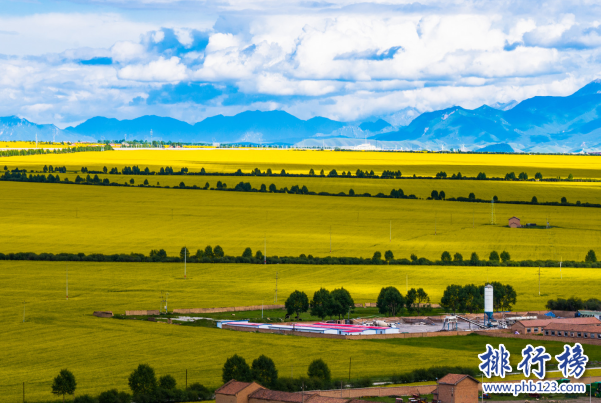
(63, 61)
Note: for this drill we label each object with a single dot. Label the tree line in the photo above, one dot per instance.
(217, 255)
(21, 176)
(470, 297)
(573, 304)
(144, 386)
(42, 151)
(319, 377)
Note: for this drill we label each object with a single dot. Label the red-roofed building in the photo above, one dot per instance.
(236, 392)
(457, 388)
(538, 326)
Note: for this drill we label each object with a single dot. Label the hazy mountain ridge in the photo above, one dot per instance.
(538, 124)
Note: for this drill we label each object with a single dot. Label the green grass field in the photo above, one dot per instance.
(96, 219)
(102, 352)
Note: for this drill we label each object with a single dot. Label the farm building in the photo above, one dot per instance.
(236, 392)
(457, 388)
(590, 314)
(514, 222)
(575, 331)
(244, 392)
(323, 328)
(538, 326)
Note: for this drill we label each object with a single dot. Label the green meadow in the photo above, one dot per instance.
(101, 353)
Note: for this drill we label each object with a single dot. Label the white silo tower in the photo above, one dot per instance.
(488, 305)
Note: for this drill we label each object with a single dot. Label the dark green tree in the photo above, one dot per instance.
(442, 195)
(434, 194)
(445, 257)
(90, 399)
(342, 302)
(321, 304)
(413, 257)
(218, 251)
(319, 369)
(263, 188)
(263, 371)
(505, 256)
(297, 303)
(131, 181)
(272, 188)
(236, 368)
(351, 192)
(534, 200)
(199, 254)
(311, 172)
(564, 200)
(105, 169)
(108, 396)
(64, 383)
(209, 252)
(388, 256)
(494, 256)
(259, 255)
(474, 259)
(377, 256)
(457, 257)
(538, 176)
(470, 298)
(248, 253)
(451, 298)
(390, 301)
(167, 382)
(184, 252)
(495, 198)
(411, 299)
(472, 196)
(142, 381)
(508, 298)
(590, 256)
(422, 298)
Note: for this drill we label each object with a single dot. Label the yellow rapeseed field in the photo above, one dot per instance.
(422, 188)
(97, 219)
(230, 160)
(101, 353)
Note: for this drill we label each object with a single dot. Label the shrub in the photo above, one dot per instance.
(167, 382)
(84, 399)
(236, 368)
(319, 369)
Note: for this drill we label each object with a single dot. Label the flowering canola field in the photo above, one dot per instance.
(230, 160)
(97, 219)
(58, 334)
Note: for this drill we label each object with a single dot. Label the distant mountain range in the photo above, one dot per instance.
(539, 124)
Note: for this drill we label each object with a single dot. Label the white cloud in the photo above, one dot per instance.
(162, 70)
(346, 59)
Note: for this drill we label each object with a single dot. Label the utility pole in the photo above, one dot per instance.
(349, 368)
(276, 286)
(265, 255)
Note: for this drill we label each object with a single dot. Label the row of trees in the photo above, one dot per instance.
(390, 301)
(264, 371)
(66, 150)
(474, 258)
(470, 298)
(574, 304)
(324, 303)
(144, 385)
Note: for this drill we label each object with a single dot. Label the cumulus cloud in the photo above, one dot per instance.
(342, 59)
(161, 70)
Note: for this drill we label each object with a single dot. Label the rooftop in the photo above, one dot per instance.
(266, 394)
(233, 387)
(454, 379)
